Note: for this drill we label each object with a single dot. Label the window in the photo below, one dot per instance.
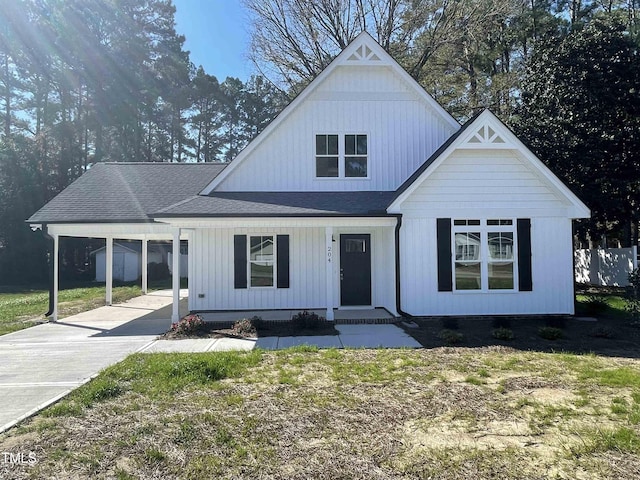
(261, 261)
(327, 156)
(347, 159)
(355, 155)
(483, 254)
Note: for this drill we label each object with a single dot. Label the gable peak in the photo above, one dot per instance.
(486, 131)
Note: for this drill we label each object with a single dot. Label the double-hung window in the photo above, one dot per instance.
(327, 156)
(483, 254)
(341, 156)
(261, 261)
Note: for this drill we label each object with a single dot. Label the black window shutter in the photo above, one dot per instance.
(445, 283)
(240, 261)
(525, 282)
(282, 246)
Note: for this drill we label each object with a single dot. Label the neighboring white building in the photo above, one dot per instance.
(127, 263)
(363, 192)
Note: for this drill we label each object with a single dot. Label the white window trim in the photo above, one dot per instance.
(275, 260)
(342, 156)
(484, 230)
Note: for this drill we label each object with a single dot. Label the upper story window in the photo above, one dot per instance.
(327, 156)
(341, 159)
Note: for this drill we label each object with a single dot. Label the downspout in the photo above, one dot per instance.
(45, 233)
(398, 290)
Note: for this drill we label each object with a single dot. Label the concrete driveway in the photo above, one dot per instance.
(41, 364)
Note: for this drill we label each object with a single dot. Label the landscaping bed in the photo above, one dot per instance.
(600, 326)
(302, 324)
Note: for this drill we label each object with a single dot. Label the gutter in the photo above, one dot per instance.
(45, 233)
(398, 289)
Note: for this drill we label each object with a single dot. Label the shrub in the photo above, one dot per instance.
(502, 333)
(450, 337)
(244, 327)
(306, 320)
(550, 333)
(188, 325)
(601, 332)
(450, 323)
(632, 300)
(501, 322)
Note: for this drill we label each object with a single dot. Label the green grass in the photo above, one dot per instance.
(20, 310)
(614, 305)
(356, 413)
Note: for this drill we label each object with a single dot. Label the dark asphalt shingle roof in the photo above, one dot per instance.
(223, 204)
(126, 192)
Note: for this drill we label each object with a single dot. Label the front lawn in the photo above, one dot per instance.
(23, 309)
(445, 413)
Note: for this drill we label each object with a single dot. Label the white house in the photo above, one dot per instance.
(364, 192)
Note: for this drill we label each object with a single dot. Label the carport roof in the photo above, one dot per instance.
(126, 192)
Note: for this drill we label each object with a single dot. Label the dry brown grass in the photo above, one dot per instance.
(448, 413)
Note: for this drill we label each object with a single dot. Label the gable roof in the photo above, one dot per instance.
(485, 130)
(271, 204)
(362, 50)
(126, 192)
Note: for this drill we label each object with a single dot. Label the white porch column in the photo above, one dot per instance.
(329, 263)
(175, 270)
(145, 266)
(109, 272)
(56, 275)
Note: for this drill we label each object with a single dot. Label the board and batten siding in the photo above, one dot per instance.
(552, 270)
(402, 131)
(211, 254)
(486, 184)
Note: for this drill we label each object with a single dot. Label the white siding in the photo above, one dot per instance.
(552, 273)
(211, 270)
(403, 131)
(485, 182)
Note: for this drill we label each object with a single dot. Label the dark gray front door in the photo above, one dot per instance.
(355, 269)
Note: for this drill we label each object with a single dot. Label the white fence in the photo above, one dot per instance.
(607, 267)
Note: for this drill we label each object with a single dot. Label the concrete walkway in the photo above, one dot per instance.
(41, 364)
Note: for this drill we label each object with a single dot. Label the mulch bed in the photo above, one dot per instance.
(578, 336)
(264, 329)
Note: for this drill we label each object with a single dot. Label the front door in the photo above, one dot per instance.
(355, 269)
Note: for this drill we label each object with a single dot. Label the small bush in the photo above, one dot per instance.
(257, 322)
(502, 333)
(244, 327)
(450, 323)
(188, 325)
(632, 300)
(550, 333)
(306, 320)
(601, 332)
(501, 322)
(451, 337)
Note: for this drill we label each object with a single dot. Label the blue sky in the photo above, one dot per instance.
(217, 35)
